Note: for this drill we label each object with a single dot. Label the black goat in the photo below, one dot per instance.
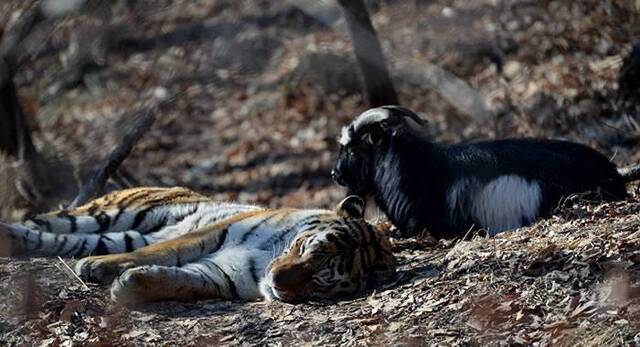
(448, 189)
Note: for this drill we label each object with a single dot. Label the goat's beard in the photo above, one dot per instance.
(372, 211)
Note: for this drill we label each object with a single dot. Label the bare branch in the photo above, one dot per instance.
(144, 119)
(456, 91)
(379, 88)
(118, 155)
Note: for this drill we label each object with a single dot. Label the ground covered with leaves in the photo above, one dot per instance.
(265, 87)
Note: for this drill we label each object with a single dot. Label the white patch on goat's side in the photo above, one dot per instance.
(372, 211)
(504, 203)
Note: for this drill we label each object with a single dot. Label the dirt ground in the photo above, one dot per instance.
(267, 87)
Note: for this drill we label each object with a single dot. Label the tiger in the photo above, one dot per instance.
(155, 244)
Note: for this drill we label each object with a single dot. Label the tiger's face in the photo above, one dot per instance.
(337, 258)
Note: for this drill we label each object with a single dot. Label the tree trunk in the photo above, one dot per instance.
(379, 88)
(39, 181)
(15, 135)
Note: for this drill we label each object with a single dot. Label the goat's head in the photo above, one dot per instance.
(366, 137)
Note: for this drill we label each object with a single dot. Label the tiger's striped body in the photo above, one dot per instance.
(124, 221)
(176, 244)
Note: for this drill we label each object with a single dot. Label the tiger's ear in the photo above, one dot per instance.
(351, 207)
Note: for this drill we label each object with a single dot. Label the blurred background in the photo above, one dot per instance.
(244, 100)
(262, 88)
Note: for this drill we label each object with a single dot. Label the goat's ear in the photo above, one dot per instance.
(375, 134)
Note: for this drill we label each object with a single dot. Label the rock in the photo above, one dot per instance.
(512, 69)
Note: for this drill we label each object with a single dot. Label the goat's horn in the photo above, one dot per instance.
(403, 111)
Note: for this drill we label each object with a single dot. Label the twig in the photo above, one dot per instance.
(495, 252)
(142, 124)
(467, 233)
(73, 273)
(620, 130)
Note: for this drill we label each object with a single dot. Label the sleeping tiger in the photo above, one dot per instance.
(172, 243)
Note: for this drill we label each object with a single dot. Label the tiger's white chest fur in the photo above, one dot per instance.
(504, 203)
(252, 243)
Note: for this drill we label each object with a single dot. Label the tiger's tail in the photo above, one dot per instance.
(17, 239)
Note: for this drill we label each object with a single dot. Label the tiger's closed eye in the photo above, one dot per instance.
(302, 247)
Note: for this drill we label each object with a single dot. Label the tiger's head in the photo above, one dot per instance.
(342, 255)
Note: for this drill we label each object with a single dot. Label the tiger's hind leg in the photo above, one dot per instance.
(202, 279)
(174, 252)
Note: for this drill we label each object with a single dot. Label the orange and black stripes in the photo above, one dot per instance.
(161, 243)
(122, 221)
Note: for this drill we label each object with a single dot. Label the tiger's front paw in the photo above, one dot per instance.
(136, 285)
(103, 268)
